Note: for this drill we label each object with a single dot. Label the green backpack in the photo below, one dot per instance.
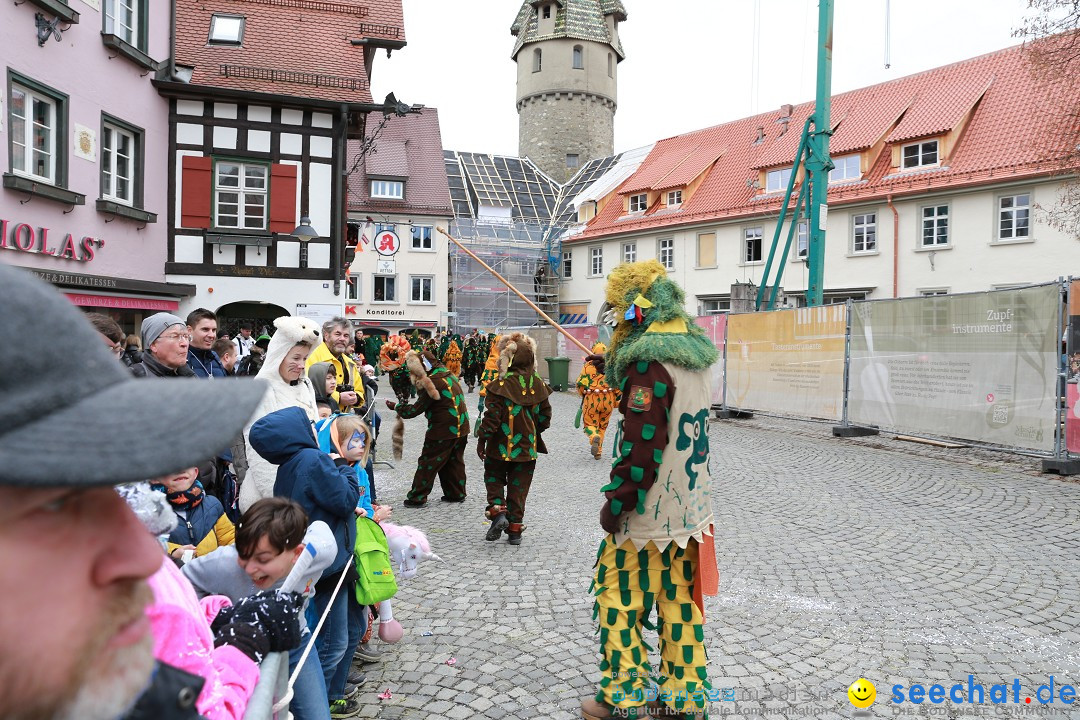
(372, 557)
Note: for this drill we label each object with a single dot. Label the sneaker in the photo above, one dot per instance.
(357, 678)
(365, 653)
(345, 708)
(351, 690)
(499, 524)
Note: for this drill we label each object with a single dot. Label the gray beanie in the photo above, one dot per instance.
(153, 326)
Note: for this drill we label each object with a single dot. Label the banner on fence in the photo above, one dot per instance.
(980, 366)
(787, 361)
(1072, 385)
(714, 325)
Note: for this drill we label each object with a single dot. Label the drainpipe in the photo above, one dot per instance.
(895, 247)
(337, 223)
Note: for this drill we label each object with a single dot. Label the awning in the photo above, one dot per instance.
(122, 302)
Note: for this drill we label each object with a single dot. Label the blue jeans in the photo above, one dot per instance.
(333, 640)
(309, 690)
(357, 628)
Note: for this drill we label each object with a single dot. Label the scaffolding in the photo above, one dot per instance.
(516, 250)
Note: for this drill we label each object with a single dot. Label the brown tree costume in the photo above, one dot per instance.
(440, 399)
(517, 411)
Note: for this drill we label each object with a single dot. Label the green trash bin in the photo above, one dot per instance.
(558, 372)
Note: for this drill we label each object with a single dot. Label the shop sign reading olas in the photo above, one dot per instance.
(23, 236)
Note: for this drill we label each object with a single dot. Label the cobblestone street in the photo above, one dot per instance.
(839, 559)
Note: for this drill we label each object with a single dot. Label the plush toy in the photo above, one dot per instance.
(408, 547)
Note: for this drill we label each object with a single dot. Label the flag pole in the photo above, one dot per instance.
(517, 292)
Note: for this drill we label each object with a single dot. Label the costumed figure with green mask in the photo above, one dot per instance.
(657, 512)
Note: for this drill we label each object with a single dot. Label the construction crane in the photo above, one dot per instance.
(812, 202)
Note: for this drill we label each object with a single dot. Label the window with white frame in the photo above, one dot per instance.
(383, 227)
(122, 19)
(665, 252)
(802, 241)
(935, 313)
(1014, 217)
(567, 264)
(226, 30)
(935, 226)
(674, 197)
(579, 58)
(352, 288)
(864, 233)
(847, 168)
(639, 202)
(706, 250)
(393, 189)
(920, 154)
(34, 124)
(930, 292)
(384, 288)
(421, 238)
(240, 195)
(596, 261)
(777, 180)
(752, 244)
(119, 158)
(714, 306)
(629, 252)
(420, 288)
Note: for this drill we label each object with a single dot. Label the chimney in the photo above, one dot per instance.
(785, 118)
(760, 135)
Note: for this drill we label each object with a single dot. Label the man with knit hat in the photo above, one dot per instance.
(165, 342)
(76, 641)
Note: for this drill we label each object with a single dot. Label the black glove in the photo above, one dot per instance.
(597, 362)
(268, 621)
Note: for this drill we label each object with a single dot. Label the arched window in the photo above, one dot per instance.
(609, 65)
(579, 57)
(537, 60)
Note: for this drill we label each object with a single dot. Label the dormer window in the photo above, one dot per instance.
(547, 12)
(919, 155)
(847, 168)
(777, 180)
(638, 203)
(226, 30)
(391, 189)
(674, 198)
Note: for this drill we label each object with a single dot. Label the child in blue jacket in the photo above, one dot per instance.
(327, 487)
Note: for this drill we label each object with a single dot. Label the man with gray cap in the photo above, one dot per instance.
(74, 637)
(165, 341)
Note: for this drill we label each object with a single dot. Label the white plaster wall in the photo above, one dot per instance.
(320, 193)
(214, 292)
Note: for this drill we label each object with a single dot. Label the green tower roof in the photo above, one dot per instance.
(578, 19)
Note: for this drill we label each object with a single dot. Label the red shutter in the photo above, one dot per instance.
(196, 191)
(283, 198)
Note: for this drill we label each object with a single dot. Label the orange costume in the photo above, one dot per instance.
(452, 359)
(598, 401)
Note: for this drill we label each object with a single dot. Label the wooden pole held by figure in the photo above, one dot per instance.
(517, 292)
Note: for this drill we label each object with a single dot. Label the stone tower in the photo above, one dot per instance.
(567, 54)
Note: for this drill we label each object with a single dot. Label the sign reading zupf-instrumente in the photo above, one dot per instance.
(979, 366)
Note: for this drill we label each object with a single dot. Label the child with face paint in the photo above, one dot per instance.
(347, 439)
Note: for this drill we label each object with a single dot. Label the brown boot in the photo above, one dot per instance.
(597, 444)
(593, 709)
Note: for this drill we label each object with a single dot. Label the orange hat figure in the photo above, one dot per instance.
(598, 399)
(658, 550)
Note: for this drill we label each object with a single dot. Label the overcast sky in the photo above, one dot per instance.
(689, 63)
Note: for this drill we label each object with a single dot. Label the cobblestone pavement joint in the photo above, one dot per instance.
(839, 559)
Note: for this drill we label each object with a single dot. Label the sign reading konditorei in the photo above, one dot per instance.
(26, 238)
(979, 366)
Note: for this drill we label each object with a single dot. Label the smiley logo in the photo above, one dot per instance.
(862, 693)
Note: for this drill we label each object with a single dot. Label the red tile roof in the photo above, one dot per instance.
(1014, 132)
(298, 48)
(417, 136)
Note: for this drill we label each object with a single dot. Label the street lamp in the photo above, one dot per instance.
(304, 232)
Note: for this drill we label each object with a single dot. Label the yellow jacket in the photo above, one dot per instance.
(343, 367)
